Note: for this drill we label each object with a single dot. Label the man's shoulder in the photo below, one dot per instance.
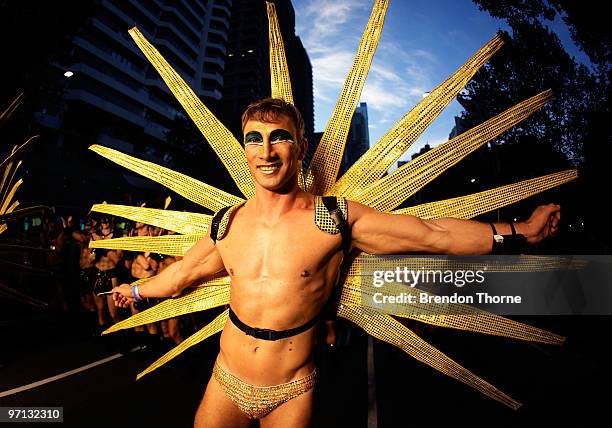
(221, 220)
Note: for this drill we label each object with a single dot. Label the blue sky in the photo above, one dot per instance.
(422, 43)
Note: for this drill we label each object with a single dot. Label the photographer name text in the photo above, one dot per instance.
(426, 298)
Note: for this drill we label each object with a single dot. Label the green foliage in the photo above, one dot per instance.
(534, 60)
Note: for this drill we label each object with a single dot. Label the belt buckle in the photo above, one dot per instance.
(264, 333)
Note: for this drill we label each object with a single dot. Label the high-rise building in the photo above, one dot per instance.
(113, 80)
(247, 71)
(116, 98)
(358, 139)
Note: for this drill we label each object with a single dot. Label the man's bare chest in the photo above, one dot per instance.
(291, 247)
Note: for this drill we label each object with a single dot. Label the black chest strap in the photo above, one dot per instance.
(269, 334)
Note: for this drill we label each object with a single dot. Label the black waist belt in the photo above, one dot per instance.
(268, 334)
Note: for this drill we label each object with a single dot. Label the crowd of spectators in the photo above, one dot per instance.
(78, 278)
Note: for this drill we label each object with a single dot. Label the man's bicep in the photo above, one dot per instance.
(202, 260)
(376, 232)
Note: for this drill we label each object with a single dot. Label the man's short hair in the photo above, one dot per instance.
(270, 109)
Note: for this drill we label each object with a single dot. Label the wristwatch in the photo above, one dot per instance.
(508, 244)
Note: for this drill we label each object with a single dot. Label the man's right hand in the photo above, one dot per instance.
(122, 296)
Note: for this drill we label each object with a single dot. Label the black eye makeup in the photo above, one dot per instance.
(253, 138)
(280, 135)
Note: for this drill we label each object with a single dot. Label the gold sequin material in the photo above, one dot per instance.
(257, 401)
(280, 80)
(10, 195)
(6, 173)
(211, 294)
(322, 218)
(200, 193)
(379, 158)
(359, 294)
(18, 149)
(222, 141)
(8, 111)
(328, 156)
(225, 221)
(172, 245)
(390, 191)
(215, 326)
(470, 206)
(279, 72)
(384, 327)
(12, 207)
(6, 196)
(178, 221)
(362, 180)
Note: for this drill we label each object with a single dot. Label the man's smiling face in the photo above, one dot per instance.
(273, 152)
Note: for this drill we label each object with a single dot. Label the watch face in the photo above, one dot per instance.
(498, 238)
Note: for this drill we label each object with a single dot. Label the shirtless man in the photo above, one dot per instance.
(283, 269)
(86, 266)
(143, 266)
(171, 327)
(105, 273)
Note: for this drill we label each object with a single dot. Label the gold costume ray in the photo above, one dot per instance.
(5, 174)
(385, 328)
(390, 191)
(280, 81)
(208, 295)
(10, 109)
(470, 206)
(279, 71)
(18, 149)
(325, 163)
(218, 136)
(9, 183)
(10, 196)
(456, 316)
(215, 326)
(177, 221)
(7, 205)
(361, 181)
(379, 158)
(172, 245)
(200, 193)
(12, 207)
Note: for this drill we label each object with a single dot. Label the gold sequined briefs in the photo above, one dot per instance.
(257, 401)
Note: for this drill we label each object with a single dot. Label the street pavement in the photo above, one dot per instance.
(555, 384)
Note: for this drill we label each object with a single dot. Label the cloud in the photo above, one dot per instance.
(379, 97)
(327, 17)
(331, 68)
(399, 75)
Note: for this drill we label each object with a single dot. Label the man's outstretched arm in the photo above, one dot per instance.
(201, 261)
(380, 233)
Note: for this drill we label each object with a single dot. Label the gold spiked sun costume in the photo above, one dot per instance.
(362, 183)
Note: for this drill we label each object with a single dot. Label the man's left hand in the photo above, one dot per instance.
(544, 222)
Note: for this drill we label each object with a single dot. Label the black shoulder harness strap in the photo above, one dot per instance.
(216, 221)
(341, 223)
